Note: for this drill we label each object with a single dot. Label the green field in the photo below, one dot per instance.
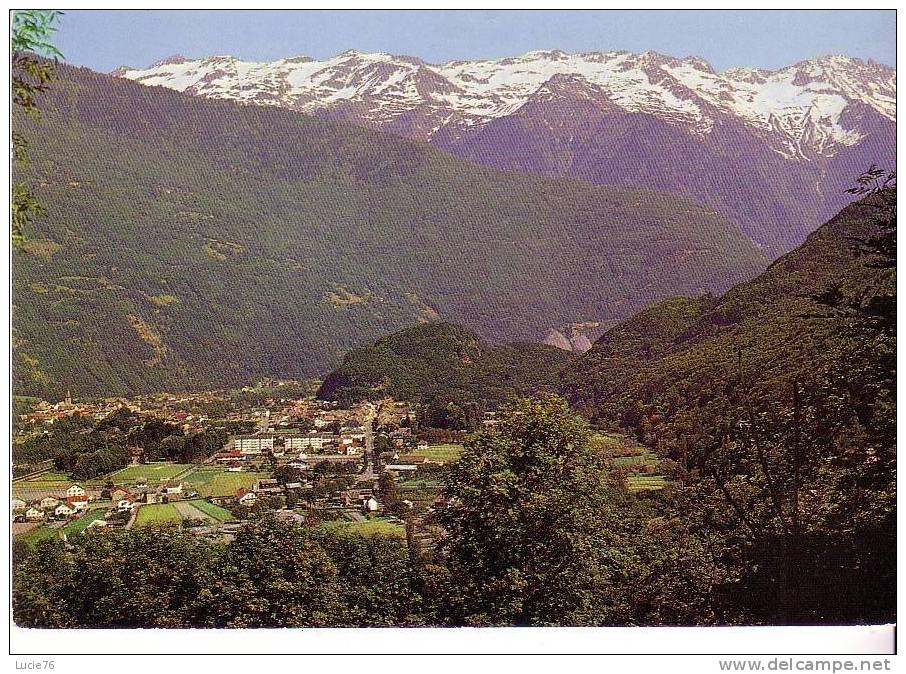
(152, 472)
(79, 525)
(646, 461)
(646, 482)
(57, 478)
(42, 533)
(157, 513)
(373, 527)
(210, 483)
(71, 528)
(421, 486)
(611, 443)
(627, 454)
(201, 475)
(444, 453)
(49, 476)
(49, 484)
(213, 511)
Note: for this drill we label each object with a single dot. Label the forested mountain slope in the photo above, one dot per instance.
(764, 333)
(450, 370)
(775, 406)
(192, 242)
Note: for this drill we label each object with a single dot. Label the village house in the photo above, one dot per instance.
(371, 504)
(64, 510)
(77, 503)
(17, 504)
(246, 497)
(229, 457)
(268, 486)
(33, 514)
(355, 449)
(356, 432)
(173, 489)
(49, 502)
(490, 419)
(119, 493)
(75, 490)
(124, 504)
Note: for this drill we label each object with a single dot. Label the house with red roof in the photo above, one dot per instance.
(77, 503)
(245, 496)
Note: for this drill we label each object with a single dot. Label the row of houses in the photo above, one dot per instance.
(124, 498)
(74, 502)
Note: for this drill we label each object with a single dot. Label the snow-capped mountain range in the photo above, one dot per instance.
(799, 109)
(743, 140)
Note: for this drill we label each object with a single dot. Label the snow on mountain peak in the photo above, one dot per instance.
(174, 59)
(799, 109)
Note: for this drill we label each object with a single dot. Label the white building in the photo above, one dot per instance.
(17, 504)
(354, 433)
(34, 514)
(75, 490)
(402, 467)
(64, 510)
(246, 497)
(308, 441)
(78, 502)
(49, 502)
(254, 444)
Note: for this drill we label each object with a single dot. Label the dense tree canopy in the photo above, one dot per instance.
(537, 531)
(454, 374)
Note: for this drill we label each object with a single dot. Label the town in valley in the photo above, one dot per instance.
(277, 450)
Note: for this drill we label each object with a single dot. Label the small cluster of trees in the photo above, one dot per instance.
(86, 449)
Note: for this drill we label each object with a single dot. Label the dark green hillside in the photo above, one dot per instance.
(777, 405)
(767, 332)
(192, 242)
(447, 368)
